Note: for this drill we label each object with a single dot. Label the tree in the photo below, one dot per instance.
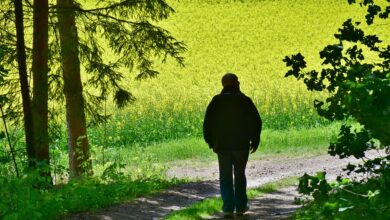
(3, 73)
(130, 36)
(79, 161)
(35, 110)
(122, 28)
(40, 82)
(23, 78)
(358, 88)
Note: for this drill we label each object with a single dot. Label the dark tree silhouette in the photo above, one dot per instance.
(23, 78)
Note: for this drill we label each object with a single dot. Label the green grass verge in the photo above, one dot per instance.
(194, 151)
(20, 200)
(210, 206)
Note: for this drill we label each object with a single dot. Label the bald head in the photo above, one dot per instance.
(230, 80)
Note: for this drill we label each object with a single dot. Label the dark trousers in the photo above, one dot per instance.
(233, 195)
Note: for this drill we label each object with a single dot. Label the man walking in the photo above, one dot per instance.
(232, 128)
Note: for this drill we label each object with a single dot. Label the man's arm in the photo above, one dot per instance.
(256, 127)
(208, 123)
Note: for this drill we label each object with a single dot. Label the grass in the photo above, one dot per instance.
(21, 201)
(194, 151)
(210, 206)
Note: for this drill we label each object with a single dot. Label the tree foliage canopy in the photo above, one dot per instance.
(116, 39)
(356, 75)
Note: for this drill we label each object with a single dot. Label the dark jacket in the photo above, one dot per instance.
(232, 122)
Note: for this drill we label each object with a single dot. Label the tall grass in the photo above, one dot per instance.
(249, 38)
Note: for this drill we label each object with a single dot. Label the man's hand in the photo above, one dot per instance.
(216, 149)
(252, 149)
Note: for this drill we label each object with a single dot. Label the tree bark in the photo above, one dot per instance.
(40, 82)
(79, 158)
(23, 79)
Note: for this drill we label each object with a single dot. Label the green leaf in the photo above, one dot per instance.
(372, 194)
(342, 209)
(321, 175)
(4, 159)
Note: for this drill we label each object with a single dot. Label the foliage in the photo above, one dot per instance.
(128, 30)
(358, 88)
(21, 200)
(346, 199)
(2, 69)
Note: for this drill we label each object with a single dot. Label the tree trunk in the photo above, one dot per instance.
(79, 159)
(40, 83)
(25, 90)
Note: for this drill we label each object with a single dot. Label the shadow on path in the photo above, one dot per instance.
(275, 205)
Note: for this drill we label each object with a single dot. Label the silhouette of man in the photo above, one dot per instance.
(232, 127)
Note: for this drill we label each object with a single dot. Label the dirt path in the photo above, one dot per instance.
(272, 206)
(268, 170)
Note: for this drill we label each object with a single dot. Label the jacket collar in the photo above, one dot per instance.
(230, 89)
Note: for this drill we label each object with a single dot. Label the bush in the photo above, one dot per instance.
(358, 88)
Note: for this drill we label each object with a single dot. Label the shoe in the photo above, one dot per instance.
(228, 215)
(242, 212)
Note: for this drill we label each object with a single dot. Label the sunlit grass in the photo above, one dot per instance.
(193, 150)
(247, 37)
(19, 200)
